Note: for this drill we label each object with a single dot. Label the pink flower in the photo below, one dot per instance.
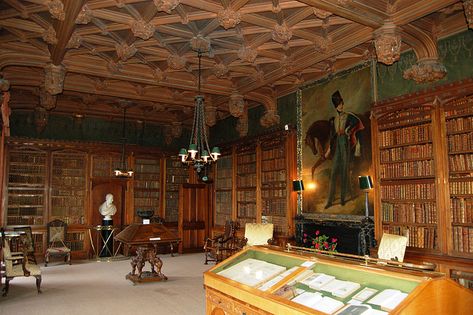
(305, 235)
(317, 232)
(334, 240)
(326, 244)
(317, 246)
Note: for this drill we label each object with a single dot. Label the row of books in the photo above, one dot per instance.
(173, 163)
(223, 183)
(272, 153)
(406, 153)
(69, 213)
(404, 118)
(461, 162)
(409, 212)
(28, 157)
(224, 172)
(279, 222)
(277, 207)
(279, 184)
(25, 211)
(68, 181)
(76, 172)
(25, 220)
(460, 107)
(147, 166)
(274, 177)
(418, 236)
(460, 142)
(273, 193)
(408, 191)
(148, 184)
(407, 169)
(271, 165)
(246, 210)
(146, 202)
(67, 202)
(25, 179)
(461, 188)
(246, 158)
(405, 135)
(248, 180)
(25, 199)
(71, 192)
(246, 195)
(462, 210)
(463, 239)
(246, 168)
(37, 170)
(461, 123)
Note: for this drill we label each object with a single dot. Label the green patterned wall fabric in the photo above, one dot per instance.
(456, 54)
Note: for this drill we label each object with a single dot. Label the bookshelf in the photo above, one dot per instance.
(252, 183)
(104, 164)
(274, 193)
(223, 190)
(176, 174)
(147, 184)
(407, 176)
(459, 145)
(246, 183)
(26, 186)
(423, 164)
(68, 186)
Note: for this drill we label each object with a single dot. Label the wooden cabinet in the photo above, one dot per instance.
(263, 280)
(253, 183)
(423, 162)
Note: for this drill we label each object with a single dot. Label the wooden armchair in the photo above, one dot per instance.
(56, 233)
(28, 241)
(18, 265)
(223, 245)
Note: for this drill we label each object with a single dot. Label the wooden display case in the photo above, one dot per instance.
(288, 280)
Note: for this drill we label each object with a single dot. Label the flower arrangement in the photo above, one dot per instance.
(320, 242)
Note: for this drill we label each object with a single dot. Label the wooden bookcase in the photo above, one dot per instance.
(68, 186)
(223, 189)
(147, 184)
(176, 175)
(246, 184)
(252, 184)
(26, 186)
(423, 165)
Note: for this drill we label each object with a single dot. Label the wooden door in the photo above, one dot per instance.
(194, 209)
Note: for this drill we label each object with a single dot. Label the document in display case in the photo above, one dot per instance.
(268, 280)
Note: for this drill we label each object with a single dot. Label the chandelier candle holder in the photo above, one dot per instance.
(123, 171)
(197, 155)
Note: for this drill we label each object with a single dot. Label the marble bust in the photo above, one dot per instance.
(107, 209)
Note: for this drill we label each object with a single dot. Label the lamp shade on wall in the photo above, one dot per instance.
(365, 182)
(297, 185)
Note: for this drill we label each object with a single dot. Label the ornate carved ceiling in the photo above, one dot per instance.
(81, 57)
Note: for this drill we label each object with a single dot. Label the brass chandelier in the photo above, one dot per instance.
(197, 155)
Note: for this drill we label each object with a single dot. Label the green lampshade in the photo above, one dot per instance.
(182, 152)
(216, 151)
(205, 154)
(365, 182)
(297, 185)
(192, 147)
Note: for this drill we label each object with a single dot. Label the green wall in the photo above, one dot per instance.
(62, 127)
(456, 54)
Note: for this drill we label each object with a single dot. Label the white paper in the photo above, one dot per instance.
(328, 305)
(365, 294)
(317, 280)
(308, 299)
(308, 264)
(388, 299)
(154, 238)
(252, 272)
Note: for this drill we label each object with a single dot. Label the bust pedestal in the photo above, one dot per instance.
(107, 248)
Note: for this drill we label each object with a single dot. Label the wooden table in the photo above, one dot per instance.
(146, 238)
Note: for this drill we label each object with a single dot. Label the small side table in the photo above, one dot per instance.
(102, 243)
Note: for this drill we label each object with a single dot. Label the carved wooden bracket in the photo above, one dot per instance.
(321, 14)
(46, 100)
(49, 36)
(247, 54)
(40, 119)
(54, 78)
(228, 18)
(125, 51)
(142, 29)
(75, 41)
(176, 62)
(388, 43)
(210, 115)
(236, 104)
(85, 15)
(200, 43)
(281, 33)
(242, 125)
(166, 5)
(56, 8)
(270, 118)
(220, 70)
(426, 70)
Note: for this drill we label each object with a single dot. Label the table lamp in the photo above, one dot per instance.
(366, 184)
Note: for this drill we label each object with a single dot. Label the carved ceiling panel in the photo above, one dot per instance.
(144, 50)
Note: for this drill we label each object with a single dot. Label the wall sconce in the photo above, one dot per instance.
(297, 185)
(366, 184)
